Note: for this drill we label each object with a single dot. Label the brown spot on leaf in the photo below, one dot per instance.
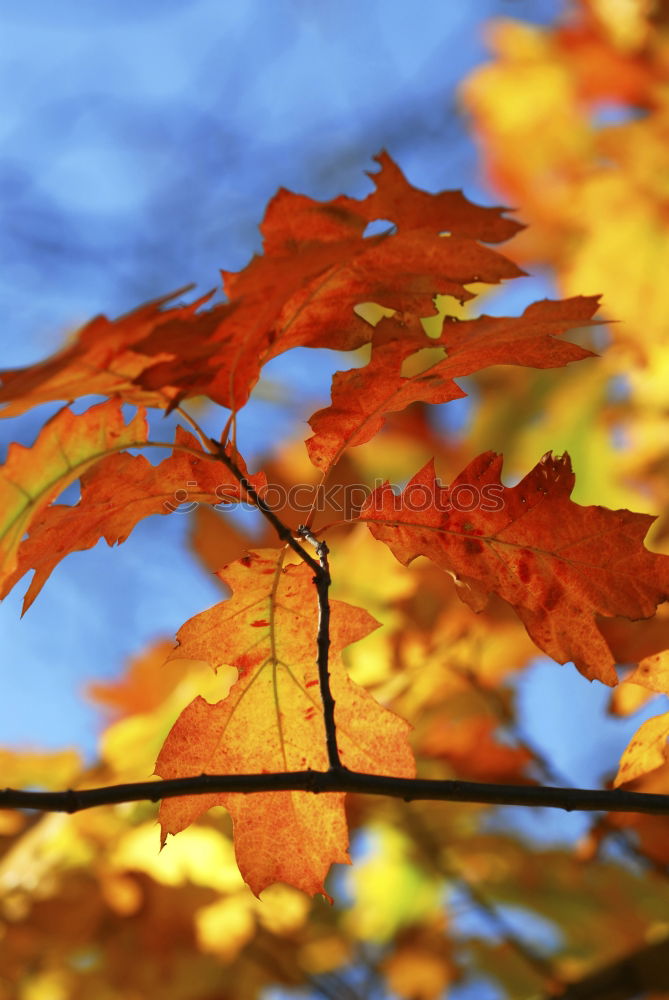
(524, 571)
(552, 598)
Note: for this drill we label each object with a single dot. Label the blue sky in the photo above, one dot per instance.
(139, 145)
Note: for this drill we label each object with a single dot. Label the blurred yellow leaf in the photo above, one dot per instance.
(203, 856)
(225, 926)
(389, 890)
(646, 751)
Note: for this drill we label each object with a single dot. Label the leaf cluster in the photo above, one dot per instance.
(347, 650)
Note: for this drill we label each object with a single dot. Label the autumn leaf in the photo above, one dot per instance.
(306, 298)
(142, 688)
(470, 746)
(627, 699)
(410, 208)
(652, 672)
(558, 564)
(216, 540)
(316, 267)
(362, 397)
(106, 358)
(646, 751)
(117, 493)
(272, 721)
(529, 340)
(65, 448)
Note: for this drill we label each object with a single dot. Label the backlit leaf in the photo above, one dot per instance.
(117, 493)
(106, 358)
(557, 563)
(362, 397)
(646, 751)
(67, 446)
(272, 721)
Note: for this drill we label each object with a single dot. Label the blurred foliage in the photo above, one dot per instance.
(573, 128)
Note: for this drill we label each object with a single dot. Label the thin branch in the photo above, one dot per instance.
(640, 973)
(322, 581)
(343, 780)
(455, 873)
(542, 967)
(552, 774)
(284, 533)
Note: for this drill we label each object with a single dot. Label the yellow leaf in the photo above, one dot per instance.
(201, 855)
(225, 927)
(653, 672)
(389, 890)
(646, 751)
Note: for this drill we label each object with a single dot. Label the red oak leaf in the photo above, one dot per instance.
(362, 397)
(558, 564)
(317, 265)
(106, 358)
(410, 208)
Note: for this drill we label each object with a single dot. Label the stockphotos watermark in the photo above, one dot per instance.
(347, 499)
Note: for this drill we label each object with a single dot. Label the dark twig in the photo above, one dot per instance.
(322, 582)
(343, 780)
(542, 967)
(284, 533)
(644, 972)
(550, 773)
(456, 875)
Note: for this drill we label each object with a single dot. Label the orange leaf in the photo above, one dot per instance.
(410, 208)
(528, 340)
(633, 641)
(116, 494)
(363, 396)
(557, 563)
(272, 721)
(65, 448)
(307, 300)
(144, 685)
(470, 745)
(316, 267)
(215, 540)
(106, 359)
